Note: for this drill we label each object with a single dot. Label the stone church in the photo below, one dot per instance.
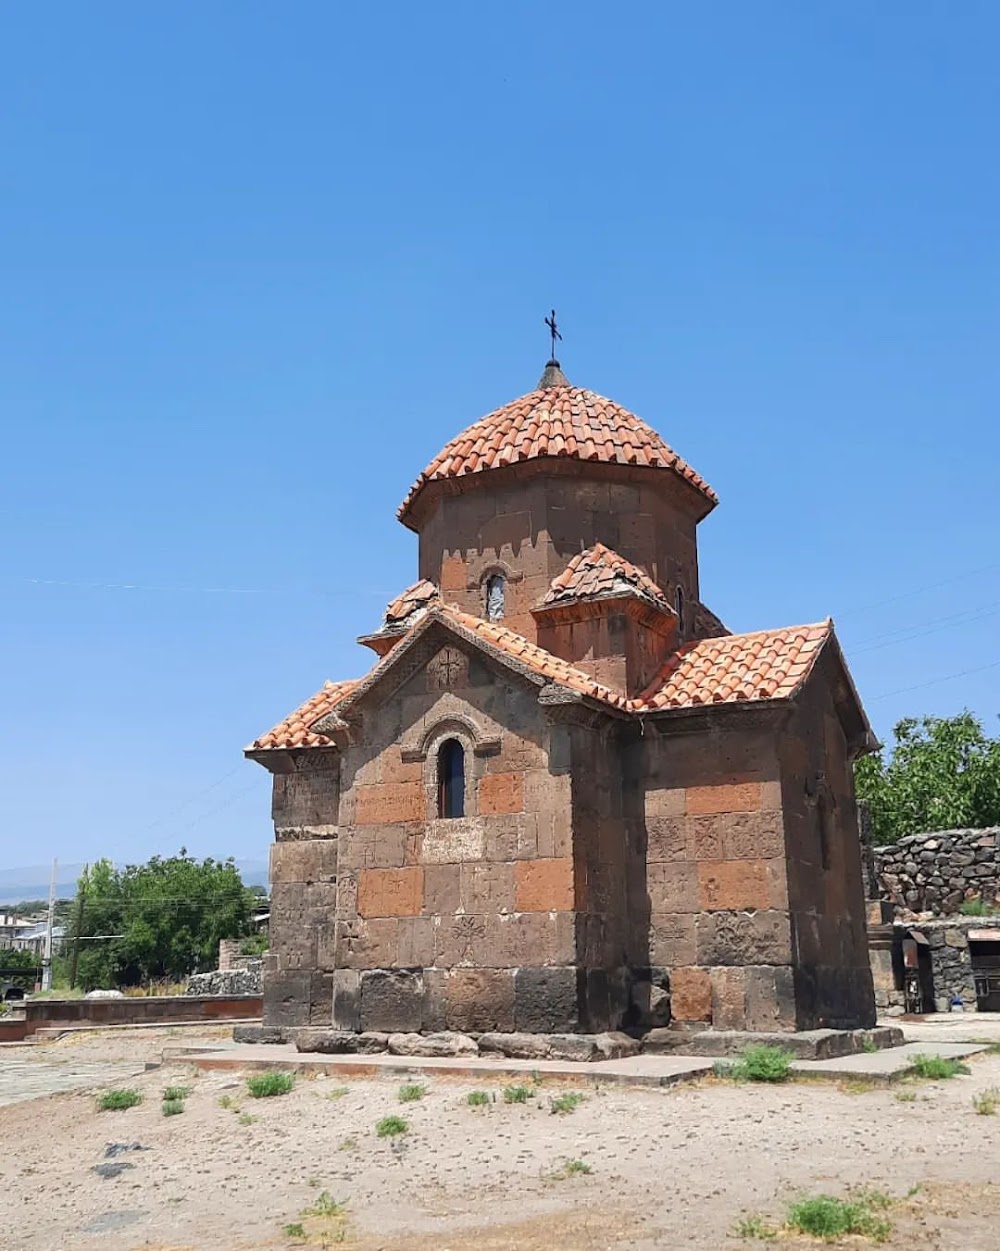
(563, 787)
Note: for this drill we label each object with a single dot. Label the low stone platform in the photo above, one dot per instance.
(812, 1044)
(638, 1070)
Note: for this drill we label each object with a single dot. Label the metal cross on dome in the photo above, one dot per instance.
(550, 321)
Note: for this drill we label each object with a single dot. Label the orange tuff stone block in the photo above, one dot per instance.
(543, 885)
(390, 892)
(453, 573)
(733, 884)
(389, 803)
(690, 995)
(731, 797)
(501, 792)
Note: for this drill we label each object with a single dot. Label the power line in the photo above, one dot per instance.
(949, 677)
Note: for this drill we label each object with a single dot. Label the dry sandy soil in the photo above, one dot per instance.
(672, 1168)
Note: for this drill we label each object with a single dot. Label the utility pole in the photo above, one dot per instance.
(47, 958)
(77, 927)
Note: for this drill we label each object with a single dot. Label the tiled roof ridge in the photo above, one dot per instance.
(294, 730)
(555, 421)
(595, 571)
(422, 593)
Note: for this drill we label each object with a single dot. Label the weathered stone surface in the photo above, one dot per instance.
(259, 1034)
(326, 1041)
(615, 1045)
(546, 1000)
(691, 995)
(443, 1044)
(913, 871)
(573, 1047)
(245, 981)
(517, 1046)
(652, 1004)
(391, 1001)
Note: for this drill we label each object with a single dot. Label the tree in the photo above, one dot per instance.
(161, 920)
(943, 773)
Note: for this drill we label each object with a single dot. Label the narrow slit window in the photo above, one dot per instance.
(679, 608)
(495, 594)
(451, 779)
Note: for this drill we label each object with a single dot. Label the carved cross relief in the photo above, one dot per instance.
(447, 669)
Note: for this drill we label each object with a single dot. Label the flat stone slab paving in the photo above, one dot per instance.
(643, 1070)
(23, 1078)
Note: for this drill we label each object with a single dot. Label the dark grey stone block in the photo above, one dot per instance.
(548, 1000)
(391, 1002)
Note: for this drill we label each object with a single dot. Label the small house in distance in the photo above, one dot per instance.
(562, 781)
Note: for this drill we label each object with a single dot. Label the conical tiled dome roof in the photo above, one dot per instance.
(558, 421)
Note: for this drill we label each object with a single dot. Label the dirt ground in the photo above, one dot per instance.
(671, 1168)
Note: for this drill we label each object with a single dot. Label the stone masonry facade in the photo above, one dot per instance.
(638, 802)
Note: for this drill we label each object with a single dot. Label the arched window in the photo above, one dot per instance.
(495, 590)
(451, 779)
(679, 608)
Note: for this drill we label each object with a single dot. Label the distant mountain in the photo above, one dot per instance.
(33, 882)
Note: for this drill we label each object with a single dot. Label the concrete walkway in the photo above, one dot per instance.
(641, 1070)
(23, 1078)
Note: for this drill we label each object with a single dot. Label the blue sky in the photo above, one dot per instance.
(261, 261)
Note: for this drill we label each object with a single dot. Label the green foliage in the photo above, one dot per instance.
(411, 1093)
(974, 908)
(936, 1068)
(943, 773)
(246, 1119)
(477, 1098)
(118, 1100)
(255, 945)
(338, 1092)
(295, 1230)
(172, 1107)
(390, 1126)
(987, 1102)
(170, 913)
(762, 1064)
(906, 1096)
(825, 1217)
(177, 1092)
(869, 1045)
(267, 1085)
(517, 1094)
(563, 1105)
(326, 1205)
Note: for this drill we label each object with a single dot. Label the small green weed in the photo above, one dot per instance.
(765, 1064)
(173, 1093)
(517, 1094)
(247, 1119)
(326, 1205)
(477, 1098)
(267, 1085)
(868, 1045)
(826, 1217)
(574, 1168)
(338, 1092)
(755, 1226)
(118, 1100)
(858, 1086)
(226, 1101)
(973, 908)
(390, 1126)
(987, 1102)
(295, 1230)
(936, 1068)
(906, 1096)
(562, 1105)
(411, 1093)
(172, 1107)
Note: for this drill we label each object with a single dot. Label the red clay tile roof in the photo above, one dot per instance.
(601, 571)
(738, 668)
(560, 421)
(771, 664)
(294, 730)
(420, 595)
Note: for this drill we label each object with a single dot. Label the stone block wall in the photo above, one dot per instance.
(937, 873)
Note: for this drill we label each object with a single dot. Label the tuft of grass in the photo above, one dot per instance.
(936, 1068)
(765, 1064)
(477, 1098)
(295, 1230)
(974, 908)
(574, 1168)
(412, 1093)
(118, 1100)
(390, 1126)
(906, 1096)
(338, 1092)
(869, 1045)
(562, 1105)
(326, 1205)
(823, 1216)
(755, 1226)
(226, 1101)
(987, 1101)
(247, 1119)
(173, 1093)
(858, 1086)
(172, 1107)
(267, 1085)
(517, 1094)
